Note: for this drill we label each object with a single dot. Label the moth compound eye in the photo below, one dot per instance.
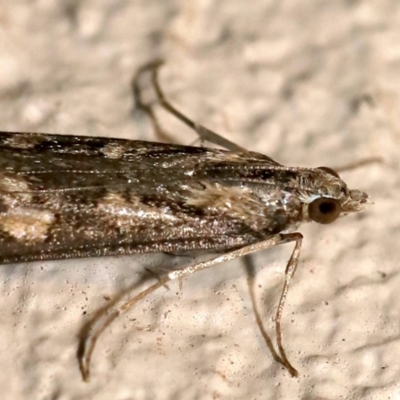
(324, 210)
(329, 171)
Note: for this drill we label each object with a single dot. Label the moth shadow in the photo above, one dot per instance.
(153, 268)
(251, 273)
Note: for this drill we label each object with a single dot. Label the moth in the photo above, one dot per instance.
(65, 196)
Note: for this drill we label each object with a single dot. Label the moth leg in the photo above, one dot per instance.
(88, 342)
(147, 107)
(155, 275)
(203, 133)
(289, 272)
(358, 164)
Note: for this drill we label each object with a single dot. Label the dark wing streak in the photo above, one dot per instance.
(52, 148)
(67, 189)
(96, 222)
(105, 206)
(180, 247)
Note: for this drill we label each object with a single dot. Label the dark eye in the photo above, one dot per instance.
(324, 210)
(329, 171)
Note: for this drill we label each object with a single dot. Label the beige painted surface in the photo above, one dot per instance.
(307, 82)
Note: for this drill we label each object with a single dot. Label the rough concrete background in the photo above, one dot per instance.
(308, 83)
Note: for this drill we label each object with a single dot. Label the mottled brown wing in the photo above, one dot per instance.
(68, 197)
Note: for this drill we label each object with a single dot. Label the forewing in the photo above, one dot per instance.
(68, 196)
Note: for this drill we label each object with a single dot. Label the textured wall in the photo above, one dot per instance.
(308, 83)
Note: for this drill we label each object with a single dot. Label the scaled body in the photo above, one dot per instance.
(71, 196)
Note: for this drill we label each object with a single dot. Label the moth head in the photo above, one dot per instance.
(338, 201)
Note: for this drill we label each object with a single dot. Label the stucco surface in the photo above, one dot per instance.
(308, 83)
